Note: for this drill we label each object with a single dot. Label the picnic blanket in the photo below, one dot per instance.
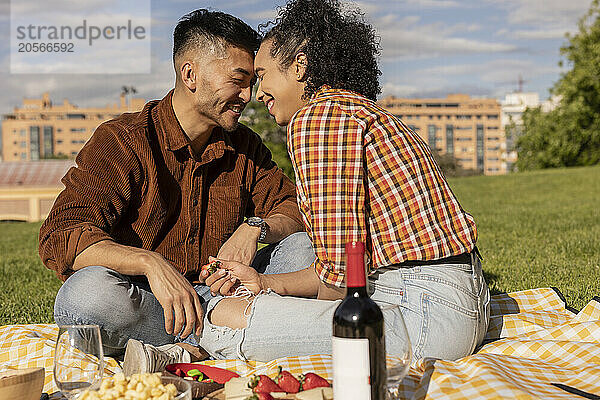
(533, 340)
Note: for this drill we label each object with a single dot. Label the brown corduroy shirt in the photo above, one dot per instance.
(138, 183)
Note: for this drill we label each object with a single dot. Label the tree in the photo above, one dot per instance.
(569, 135)
(257, 118)
(450, 166)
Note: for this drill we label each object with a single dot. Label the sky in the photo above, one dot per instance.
(430, 48)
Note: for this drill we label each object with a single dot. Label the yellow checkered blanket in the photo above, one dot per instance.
(533, 340)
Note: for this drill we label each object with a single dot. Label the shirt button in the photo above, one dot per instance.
(195, 202)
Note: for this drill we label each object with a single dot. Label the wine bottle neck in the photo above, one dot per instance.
(355, 265)
(358, 291)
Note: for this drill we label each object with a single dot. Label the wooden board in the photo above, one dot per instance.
(216, 395)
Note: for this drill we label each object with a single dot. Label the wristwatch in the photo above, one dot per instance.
(258, 221)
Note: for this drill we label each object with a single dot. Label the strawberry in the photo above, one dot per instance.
(260, 396)
(263, 384)
(212, 267)
(312, 380)
(287, 381)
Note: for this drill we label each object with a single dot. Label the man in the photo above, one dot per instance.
(157, 192)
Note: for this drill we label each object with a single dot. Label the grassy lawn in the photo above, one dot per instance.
(535, 230)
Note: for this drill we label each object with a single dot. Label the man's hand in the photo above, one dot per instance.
(230, 276)
(179, 300)
(241, 246)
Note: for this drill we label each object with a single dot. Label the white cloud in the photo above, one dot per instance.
(407, 38)
(85, 90)
(430, 3)
(557, 33)
(262, 15)
(498, 71)
(545, 15)
(493, 78)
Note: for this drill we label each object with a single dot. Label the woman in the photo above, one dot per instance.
(361, 175)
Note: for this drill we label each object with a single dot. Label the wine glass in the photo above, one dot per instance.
(78, 359)
(398, 349)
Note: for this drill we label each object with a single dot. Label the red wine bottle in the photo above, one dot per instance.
(358, 343)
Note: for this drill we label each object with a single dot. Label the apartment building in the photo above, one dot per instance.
(468, 128)
(40, 129)
(513, 107)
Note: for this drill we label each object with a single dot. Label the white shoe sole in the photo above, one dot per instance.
(135, 360)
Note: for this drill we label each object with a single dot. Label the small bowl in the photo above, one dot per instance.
(22, 384)
(183, 387)
(199, 389)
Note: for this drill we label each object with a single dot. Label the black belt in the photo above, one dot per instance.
(464, 258)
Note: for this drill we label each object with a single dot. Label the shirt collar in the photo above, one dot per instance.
(326, 91)
(176, 138)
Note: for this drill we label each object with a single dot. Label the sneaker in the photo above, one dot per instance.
(140, 357)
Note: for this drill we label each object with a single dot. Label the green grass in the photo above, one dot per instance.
(536, 229)
(27, 288)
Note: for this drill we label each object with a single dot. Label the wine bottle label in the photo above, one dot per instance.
(351, 368)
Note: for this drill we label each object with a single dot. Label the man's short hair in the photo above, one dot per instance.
(213, 31)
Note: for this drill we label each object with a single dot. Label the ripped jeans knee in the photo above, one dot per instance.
(220, 340)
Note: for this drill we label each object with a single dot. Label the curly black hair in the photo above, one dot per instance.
(213, 27)
(341, 47)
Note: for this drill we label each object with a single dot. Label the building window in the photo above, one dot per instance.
(449, 139)
(75, 116)
(23, 156)
(23, 132)
(59, 141)
(431, 135)
(493, 159)
(492, 116)
(479, 117)
(480, 147)
(493, 128)
(23, 144)
(463, 139)
(77, 129)
(77, 141)
(48, 141)
(463, 117)
(34, 142)
(493, 138)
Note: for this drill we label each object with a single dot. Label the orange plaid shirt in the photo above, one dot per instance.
(361, 174)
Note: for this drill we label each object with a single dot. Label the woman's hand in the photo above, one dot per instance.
(230, 275)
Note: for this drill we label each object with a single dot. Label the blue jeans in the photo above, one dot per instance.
(445, 308)
(126, 309)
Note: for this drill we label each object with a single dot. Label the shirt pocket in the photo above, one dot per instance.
(225, 210)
